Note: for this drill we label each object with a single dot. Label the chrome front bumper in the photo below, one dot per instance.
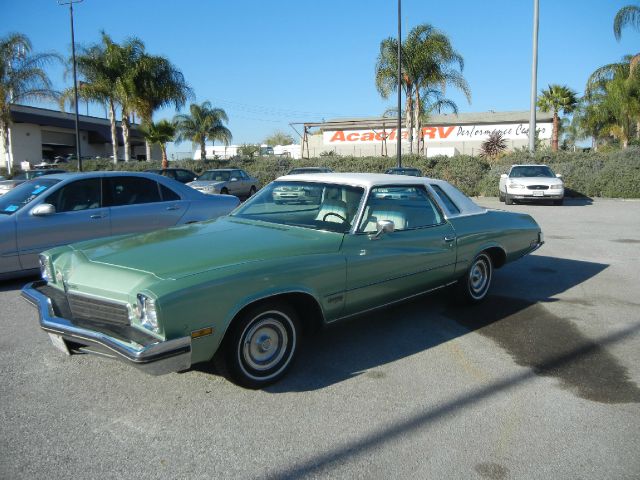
(153, 356)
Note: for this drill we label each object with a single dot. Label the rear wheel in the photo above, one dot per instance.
(224, 191)
(474, 286)
(252, 191)
(260, 345)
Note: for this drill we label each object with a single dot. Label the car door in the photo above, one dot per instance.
(140, 204)
(235, 184)
(79, 215)
(419, 255)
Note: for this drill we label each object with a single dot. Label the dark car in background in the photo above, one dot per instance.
(412, 172)
(59, 209)
(180, 174)
(7, 185)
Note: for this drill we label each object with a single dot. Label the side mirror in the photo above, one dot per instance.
(233, 179)
(43, 210)
(504, 175)
(558, 175)
(383, 226)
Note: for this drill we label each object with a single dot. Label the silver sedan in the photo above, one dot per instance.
(59, 209)
(228, 181)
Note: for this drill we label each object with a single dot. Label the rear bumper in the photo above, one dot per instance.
(147, 353)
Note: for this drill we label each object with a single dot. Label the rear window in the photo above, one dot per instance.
(445, 199)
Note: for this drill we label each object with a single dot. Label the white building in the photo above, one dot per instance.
(38, 134)
(443, 134)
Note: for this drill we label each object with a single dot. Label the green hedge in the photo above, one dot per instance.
(614, 174)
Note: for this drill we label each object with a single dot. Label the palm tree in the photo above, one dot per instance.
(613, 92)
(22, 78)
(629, 15)
(203, 123)
(107, 68)
(429, 66)
(557, 99)
(160, 133)
(157, 83)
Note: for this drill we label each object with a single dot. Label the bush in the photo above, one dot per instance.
(614, 174)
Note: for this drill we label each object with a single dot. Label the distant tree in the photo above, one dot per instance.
(279, 138)
(248, 150)
(160, 133)
(203, 123)
(22, 78)
(557, 99)
(494, 145)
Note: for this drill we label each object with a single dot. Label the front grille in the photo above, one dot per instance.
(538, 187)
(87, 308)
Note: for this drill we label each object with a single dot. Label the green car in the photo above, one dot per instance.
(241, 290)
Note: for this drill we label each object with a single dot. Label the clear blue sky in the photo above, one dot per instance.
(271, 63)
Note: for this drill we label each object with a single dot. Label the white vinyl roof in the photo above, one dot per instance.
(370, 180)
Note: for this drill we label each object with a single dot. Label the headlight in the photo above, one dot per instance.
(146, 312)
(210, 188)
(555, 187)
(46, 270)
(515, 185)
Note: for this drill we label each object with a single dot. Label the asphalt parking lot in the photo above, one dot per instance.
(539, 382)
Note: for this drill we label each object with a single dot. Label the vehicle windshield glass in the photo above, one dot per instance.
(24, 193)
(531, 171)
(320, 206)
(215, 176)
(298, 171)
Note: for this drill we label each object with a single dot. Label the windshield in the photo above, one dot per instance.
(24, 193)
(298, 171)
(215, 176)
(320, 206)
(531, 171)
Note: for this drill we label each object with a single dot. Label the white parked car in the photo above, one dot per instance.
(531, 183)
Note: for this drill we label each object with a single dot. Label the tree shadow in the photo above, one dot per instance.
(358, 346)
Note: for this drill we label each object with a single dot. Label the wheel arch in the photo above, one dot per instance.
(497, 254)
(304, 304)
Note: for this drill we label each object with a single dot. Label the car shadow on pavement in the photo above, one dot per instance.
(16, 284)
(514, 316)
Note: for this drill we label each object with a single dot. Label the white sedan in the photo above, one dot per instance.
(531, 183)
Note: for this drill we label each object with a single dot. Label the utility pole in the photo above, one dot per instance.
(75, 79)
(534, 81)
(399, 126)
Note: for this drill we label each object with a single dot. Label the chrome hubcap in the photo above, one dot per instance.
(265, 343)
(479, 277)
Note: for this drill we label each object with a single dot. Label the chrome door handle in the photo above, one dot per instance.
(174, 207)
(96, 216)
(449, 238)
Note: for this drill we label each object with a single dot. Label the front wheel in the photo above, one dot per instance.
(474, 286)
(260, 345)
(507, 199)
(500, 196)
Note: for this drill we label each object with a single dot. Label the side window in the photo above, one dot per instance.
(132, 191)
(408, 207)
(168, 195)
(236, 174)
(444, 198)
(184, 176)
(79, 195)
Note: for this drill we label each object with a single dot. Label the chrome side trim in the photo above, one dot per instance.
(384, 305)
(156, 358)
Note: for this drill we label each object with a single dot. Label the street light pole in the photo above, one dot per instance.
(75, 79)
(534, 80)
(399, 126)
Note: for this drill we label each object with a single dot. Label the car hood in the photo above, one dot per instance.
(192, 249)
(536, 180)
